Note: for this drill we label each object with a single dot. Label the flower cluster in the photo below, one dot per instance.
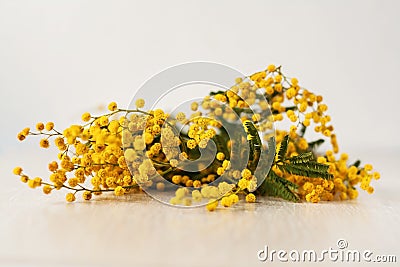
(127, 150)
(304, 110)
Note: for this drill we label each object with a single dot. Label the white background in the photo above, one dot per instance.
(61, 58)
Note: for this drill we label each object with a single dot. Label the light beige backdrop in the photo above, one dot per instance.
(59, 59)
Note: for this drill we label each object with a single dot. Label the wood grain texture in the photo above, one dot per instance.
(38, 230)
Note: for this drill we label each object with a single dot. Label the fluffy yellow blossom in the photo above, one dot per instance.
(181, 192)
(72, 182)
(49, 126)
(21, 136)
(226, 202)
(220, 156)
(224, 188)
(37, 181)
(194, 106)
(368, 167)
(234, 198)
(119, 191)
(243, 183)
(271, 68)
(140, 103)
(25, 131)
(250, 198)
(226, 164)
(246, 174)
(112, 106)
(191, 144)
(31, 183)
(173, 162)
(196, 195)
(139, 144)
(117, 150)
(86, 116)
(196, 184)
(103, 121)
(180, 116)
(24, 178)
(252, 186)
(17, 170)
(176, 179)
(87, 195)
(47, 189)
(44, 143)
(370, 190)
(70, 197)
(212, 205)
(40, 126)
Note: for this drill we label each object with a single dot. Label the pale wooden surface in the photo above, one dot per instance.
(37, 230)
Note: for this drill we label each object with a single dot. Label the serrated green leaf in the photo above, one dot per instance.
(302, 158)
(271, 147)
(254, 144)
(276, 187)
(310, 169)
(283, 148)
(284, 181)
(314, 144)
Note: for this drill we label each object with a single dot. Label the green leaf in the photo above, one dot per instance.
(252, 132)
(314, 144)
(277, 186)
(244, 110)
(271, 147)
(303, 129)
(302, 158)
(284, 181)
(254, 144)
(283, 148)
(357, 163)
(217, 93)
(309, 169)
